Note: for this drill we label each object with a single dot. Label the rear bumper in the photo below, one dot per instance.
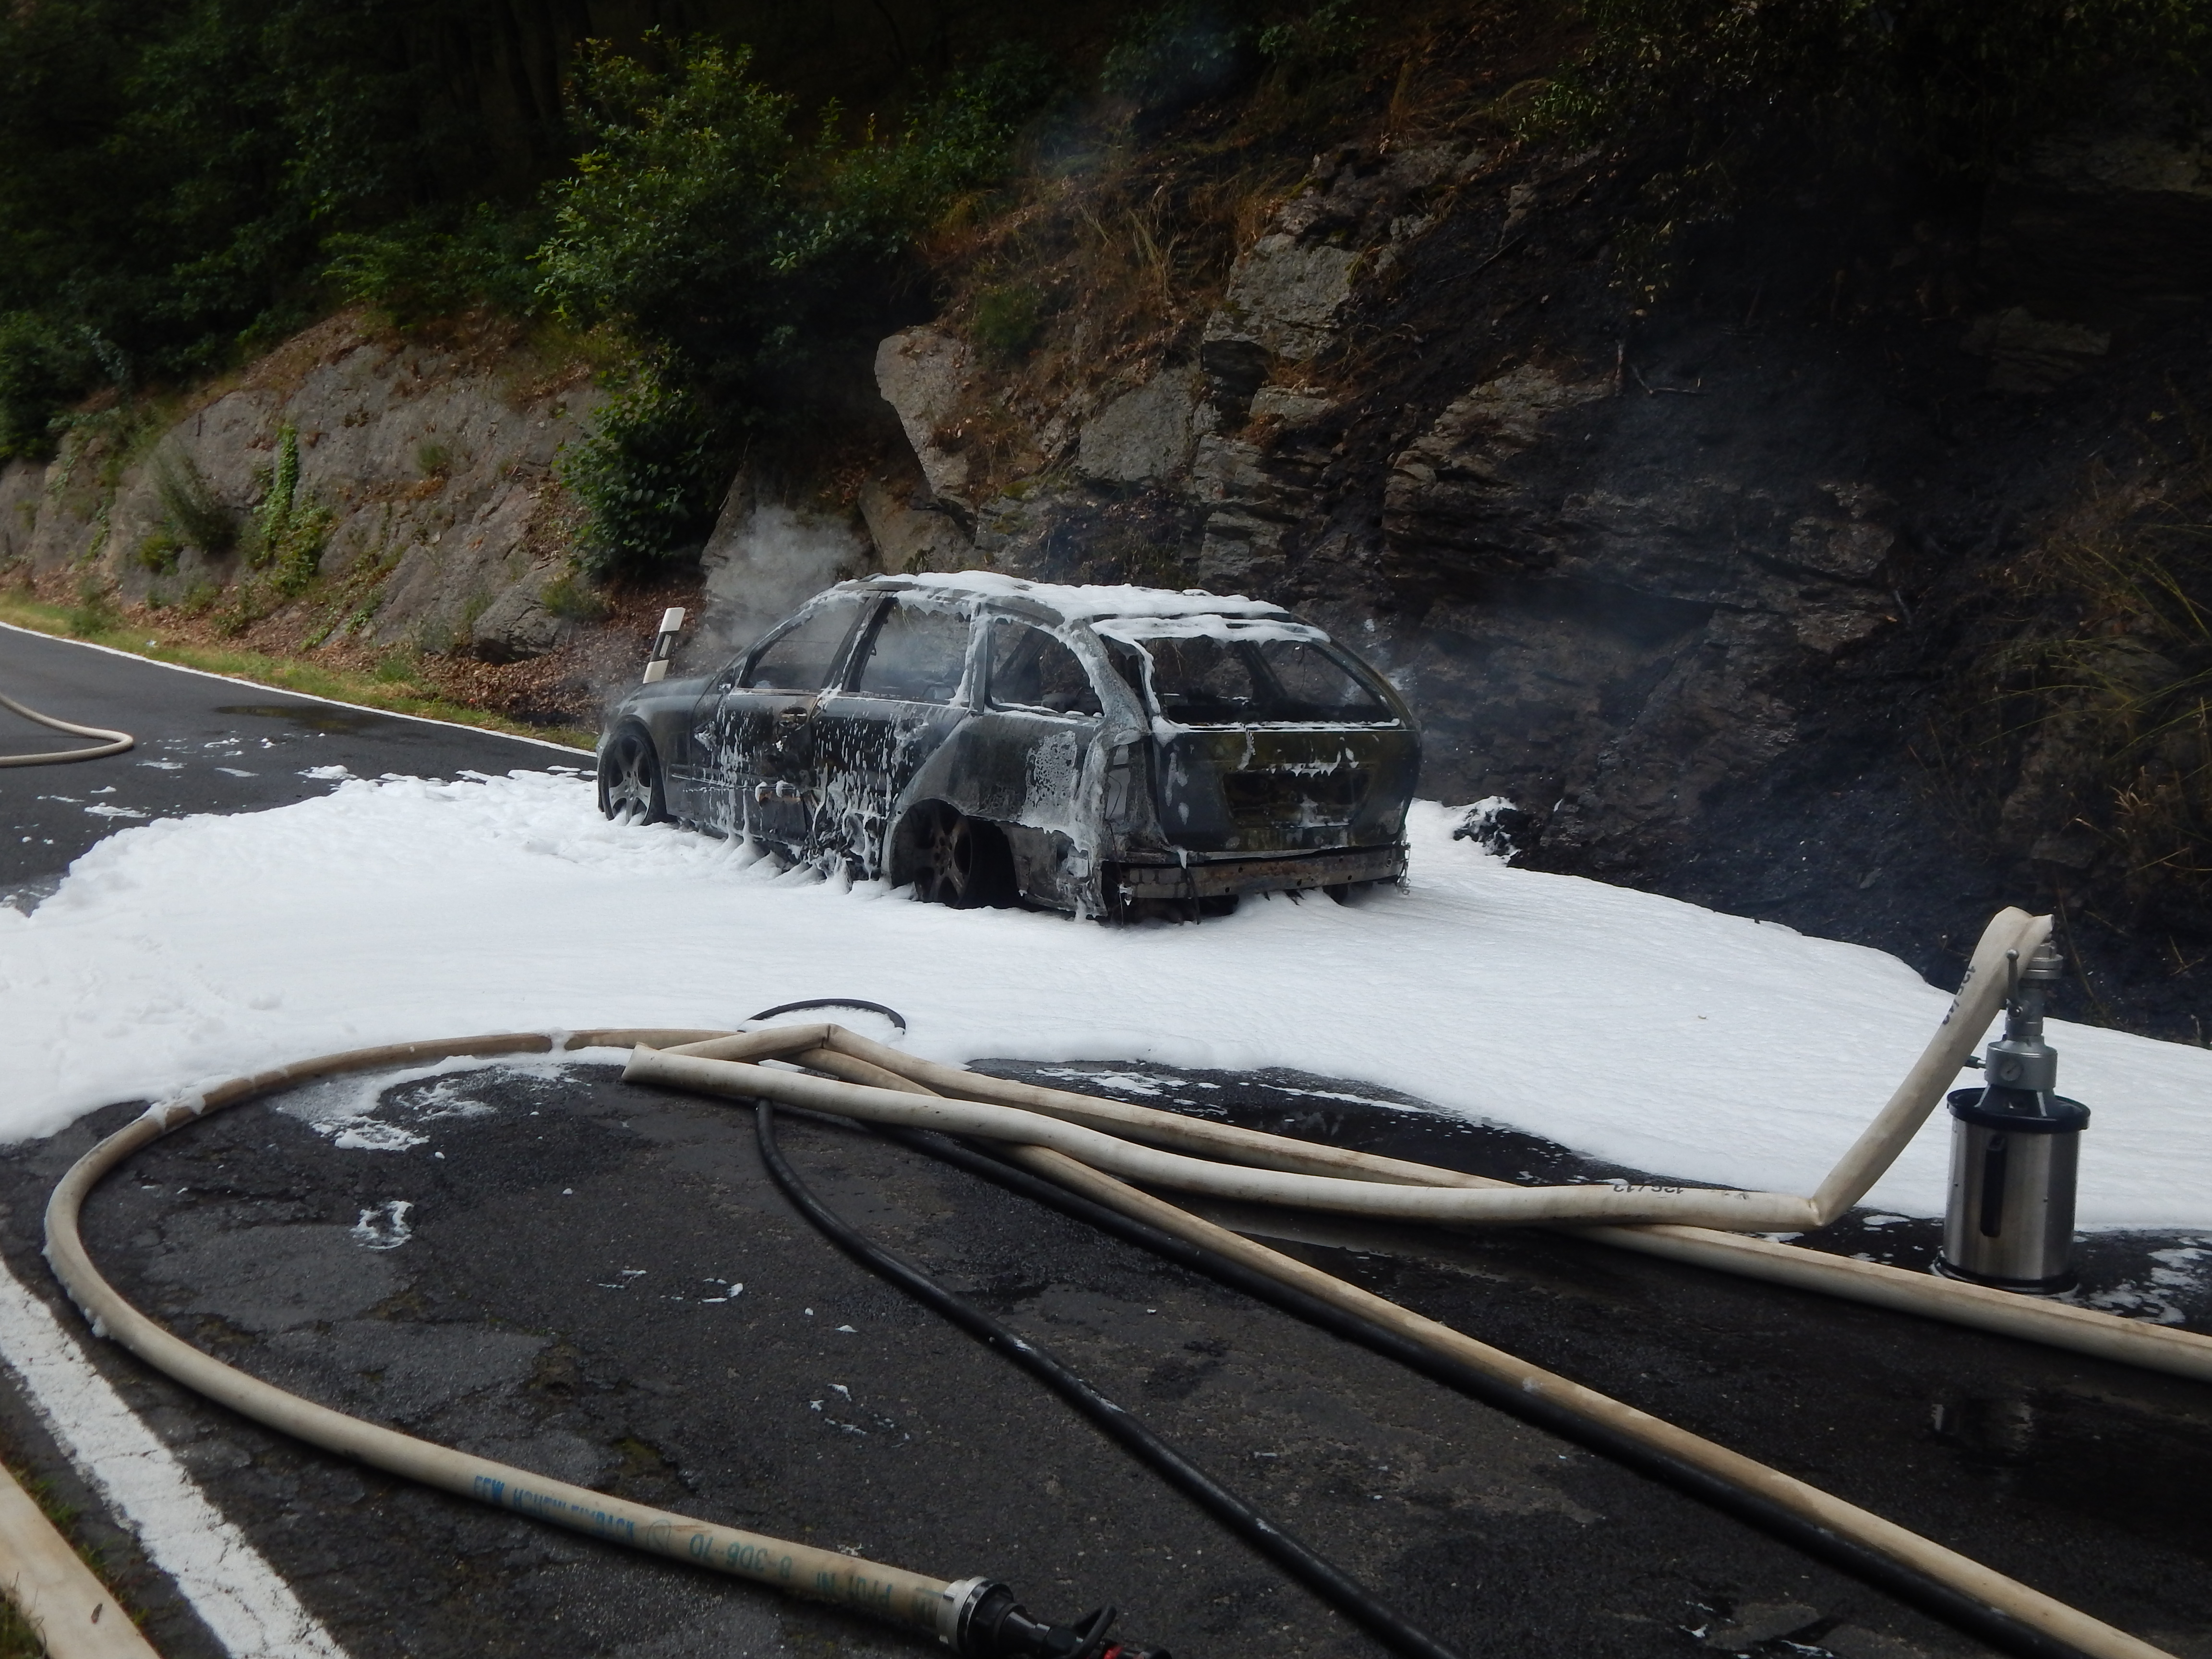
(1220, 877)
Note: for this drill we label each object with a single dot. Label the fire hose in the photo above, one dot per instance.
(111, 743)
(1077, 1142)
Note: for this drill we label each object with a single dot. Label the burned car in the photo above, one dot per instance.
(1109, 751)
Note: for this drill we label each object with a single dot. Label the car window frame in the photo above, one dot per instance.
(987, 659)
(737, 675)
(863, 641)
(1397, 716)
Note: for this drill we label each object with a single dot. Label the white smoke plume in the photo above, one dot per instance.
(759, 570)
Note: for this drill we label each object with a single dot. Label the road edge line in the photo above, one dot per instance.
(287, 691)
(247, 1607)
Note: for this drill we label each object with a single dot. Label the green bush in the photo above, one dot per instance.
(737, 256)
(95, 612)
(289, 526)
(158, 551)
(567, 597)
(1328, 35)
(647, 477)
(680, 220)
(431, 265)
(699, 224)
(1006, 320)
(191, 508)
(1170, 58)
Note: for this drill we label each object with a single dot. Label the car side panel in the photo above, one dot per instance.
(870, 751)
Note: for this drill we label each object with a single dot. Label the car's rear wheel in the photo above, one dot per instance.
(630, 780)
(957, 861)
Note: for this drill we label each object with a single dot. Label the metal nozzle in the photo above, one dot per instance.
(2022, 1060)
(987, 1623)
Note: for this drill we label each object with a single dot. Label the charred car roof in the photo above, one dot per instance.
(1122, 611)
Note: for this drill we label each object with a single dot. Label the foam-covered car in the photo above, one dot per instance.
(1104, 751)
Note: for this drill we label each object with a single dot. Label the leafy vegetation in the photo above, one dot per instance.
(19, 1637)
(1169, 58)
(1006, 321)
(439, 264)
(646, 477)
(740, 257)
(194, 514)
(39, 369)
(290, 526)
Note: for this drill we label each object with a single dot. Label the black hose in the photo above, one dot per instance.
(1955, 1609)
(1322, 1577)
(802, 1006)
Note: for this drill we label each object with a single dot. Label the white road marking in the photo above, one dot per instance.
(238, 1595)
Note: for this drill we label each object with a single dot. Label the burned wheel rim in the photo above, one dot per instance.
(629, 781)
(949, 869)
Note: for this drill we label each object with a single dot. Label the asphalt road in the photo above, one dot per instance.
(205, 745)
(539, 1266)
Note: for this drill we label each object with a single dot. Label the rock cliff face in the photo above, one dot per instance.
(434, 464)
(1680, 578)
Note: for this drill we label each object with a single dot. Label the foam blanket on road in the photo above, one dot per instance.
(1635, 1029)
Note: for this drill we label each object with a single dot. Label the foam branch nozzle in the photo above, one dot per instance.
(2020, 1059)
(992, 1625)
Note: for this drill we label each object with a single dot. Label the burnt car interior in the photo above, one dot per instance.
(1030, 669)
(914, 655)
(1204, 681)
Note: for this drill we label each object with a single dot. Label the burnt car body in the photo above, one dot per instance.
(1102, 751)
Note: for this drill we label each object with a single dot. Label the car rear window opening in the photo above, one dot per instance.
(1205, 681)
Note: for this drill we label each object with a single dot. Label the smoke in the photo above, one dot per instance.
(759, 571)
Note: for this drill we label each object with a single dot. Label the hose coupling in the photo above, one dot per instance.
(2022, 1060)
(982, 1620)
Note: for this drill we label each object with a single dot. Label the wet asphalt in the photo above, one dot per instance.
(205, 745)
(600, 1282)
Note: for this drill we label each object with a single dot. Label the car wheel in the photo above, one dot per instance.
(960, 863)
(630, 780)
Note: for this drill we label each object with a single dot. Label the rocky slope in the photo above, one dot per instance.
(1696, 584)
(431, 460)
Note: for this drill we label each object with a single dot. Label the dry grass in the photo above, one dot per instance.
(19, 1637)
(2087, 722)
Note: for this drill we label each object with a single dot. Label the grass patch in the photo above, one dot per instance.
(2081, 728)
(17, 1640)
(19, 1636)
(400, 696)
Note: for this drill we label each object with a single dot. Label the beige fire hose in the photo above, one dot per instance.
(1823, 1510)
(2083, 1330)
(1065, 1136)
(904, 1598)
(2011, 934)
(1932, 1560)
(892, 1593)
(113, 743)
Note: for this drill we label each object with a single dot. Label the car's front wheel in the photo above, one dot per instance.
(960, 862)
(630, 780)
